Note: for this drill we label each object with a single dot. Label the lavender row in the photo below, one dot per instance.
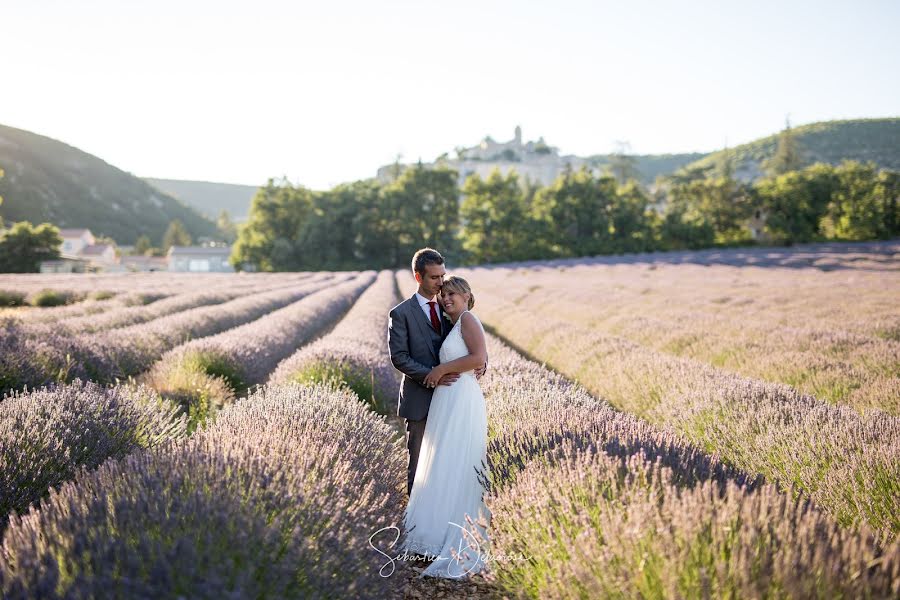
(590, 502)
(132, 315)
(87, 307)
(130, 289)
(834, 335)
(131, 350)
(603, 504)
(276, 499)
(586, 524)
(846, 462)
(204, 374)
(46, 436)
(354, 353)
(36, 355)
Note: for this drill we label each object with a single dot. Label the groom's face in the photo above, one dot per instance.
(430, 283)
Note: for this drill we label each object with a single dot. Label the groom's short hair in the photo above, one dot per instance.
(425, 257)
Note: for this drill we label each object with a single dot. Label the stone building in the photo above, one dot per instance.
(534, 160)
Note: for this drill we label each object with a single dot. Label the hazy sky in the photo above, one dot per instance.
(327, 92)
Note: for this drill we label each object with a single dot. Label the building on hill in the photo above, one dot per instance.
(74, 240)
(80, 253)
(200, 259)
(534, 160)
(100, 254)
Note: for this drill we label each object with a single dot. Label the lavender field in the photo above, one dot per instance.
(678, 425)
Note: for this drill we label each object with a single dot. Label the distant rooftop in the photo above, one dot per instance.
(73, 232)
(200, 250)
(94, 249)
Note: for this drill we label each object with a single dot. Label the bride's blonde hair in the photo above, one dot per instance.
(460, 286)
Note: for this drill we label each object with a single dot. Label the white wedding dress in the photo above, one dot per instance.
(446, 487)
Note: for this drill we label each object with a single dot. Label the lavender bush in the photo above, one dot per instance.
(131, 350)
(88, 307)
(46, 436)
(845, 461)
(40, 353)
(595, 526)
(277, 499)
(834, 335)
(603, 504)
(354, 353)
(206, 373)
(129, 289)
(131, 315)
(33, 356)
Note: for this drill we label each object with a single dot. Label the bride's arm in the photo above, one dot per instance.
(473, 336)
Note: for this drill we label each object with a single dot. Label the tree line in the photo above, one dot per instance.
(502, 218)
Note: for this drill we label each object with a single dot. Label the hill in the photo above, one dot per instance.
(209, 198)
(876, 140)
(649, 166)
(48, 180)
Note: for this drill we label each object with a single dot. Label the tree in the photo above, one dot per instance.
(622, 165)
(227, 228)
(143, 246)
(788, 154)
(495, 219)
(23, 247)
(176, 235)
(725, 164)
(268, 241)
(683, 227)
(632, 221)
(864, 203)
(795, 203)
(1, 200)
(328, 239)
(574, 213)
(420, 208)
(707, 199)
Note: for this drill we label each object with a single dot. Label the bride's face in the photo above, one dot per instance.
(454, 303)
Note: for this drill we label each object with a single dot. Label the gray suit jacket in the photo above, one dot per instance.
(414, 347)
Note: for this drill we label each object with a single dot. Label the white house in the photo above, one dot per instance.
(100, 254)
(74, 240)
(200, 259)
(80, 253)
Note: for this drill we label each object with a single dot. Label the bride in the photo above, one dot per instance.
(446, 489)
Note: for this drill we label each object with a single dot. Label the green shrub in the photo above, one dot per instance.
(343, 375)
(11, 298)
(46, 298)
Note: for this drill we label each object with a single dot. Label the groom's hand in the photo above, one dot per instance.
(448, 379)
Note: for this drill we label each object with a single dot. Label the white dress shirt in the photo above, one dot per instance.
(423, 302)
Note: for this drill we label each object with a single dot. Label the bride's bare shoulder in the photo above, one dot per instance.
(469, 320)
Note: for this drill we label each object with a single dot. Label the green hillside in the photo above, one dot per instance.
(649, 166)
(209, 198)
(47, 180)
(876, 140)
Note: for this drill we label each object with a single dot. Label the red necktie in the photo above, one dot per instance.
(435, 322)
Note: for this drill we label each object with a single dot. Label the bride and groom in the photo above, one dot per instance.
(446, 419)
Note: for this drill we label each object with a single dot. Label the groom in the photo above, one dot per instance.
(416, 330)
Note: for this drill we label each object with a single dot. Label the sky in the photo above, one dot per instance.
(326, 92)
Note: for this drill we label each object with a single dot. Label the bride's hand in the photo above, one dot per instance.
(434, 377)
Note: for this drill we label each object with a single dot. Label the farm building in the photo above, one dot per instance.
(200, 259)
